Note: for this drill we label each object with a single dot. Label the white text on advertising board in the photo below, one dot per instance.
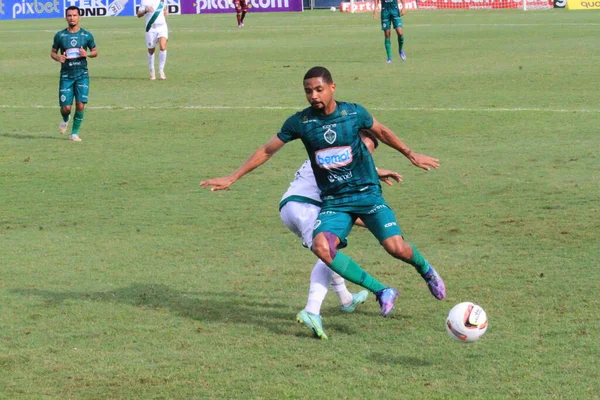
(224, 4)
(35, 7)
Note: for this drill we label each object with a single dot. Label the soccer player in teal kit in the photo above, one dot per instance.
(347, 178)
(391, 16)
(75, 45)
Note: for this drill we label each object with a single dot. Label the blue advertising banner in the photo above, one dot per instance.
(33, 9)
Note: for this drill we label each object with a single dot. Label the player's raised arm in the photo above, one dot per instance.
(258, 158)
(387, 136)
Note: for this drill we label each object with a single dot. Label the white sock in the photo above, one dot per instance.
(339, 285)
(320, 278)
(162, 60)
(151, 61)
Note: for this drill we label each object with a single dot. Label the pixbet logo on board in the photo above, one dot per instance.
(35, 7)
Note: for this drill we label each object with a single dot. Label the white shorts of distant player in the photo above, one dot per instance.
(154, 33)
(300, 219)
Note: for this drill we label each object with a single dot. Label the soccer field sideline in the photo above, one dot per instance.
(215, 107)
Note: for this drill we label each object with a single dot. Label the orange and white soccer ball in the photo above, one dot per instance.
(466, 322)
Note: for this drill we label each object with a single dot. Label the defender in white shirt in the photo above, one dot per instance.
(299, 208)
(155, 12)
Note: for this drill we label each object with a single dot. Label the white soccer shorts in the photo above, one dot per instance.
(154, 33)
(300, 219)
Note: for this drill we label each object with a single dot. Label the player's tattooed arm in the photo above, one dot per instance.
(387, 136)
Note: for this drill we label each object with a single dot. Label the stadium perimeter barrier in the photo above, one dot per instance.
(37, 9)
(367, 6)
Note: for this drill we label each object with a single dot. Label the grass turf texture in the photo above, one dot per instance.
(122, 279)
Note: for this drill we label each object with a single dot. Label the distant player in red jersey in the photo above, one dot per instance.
(241, 8)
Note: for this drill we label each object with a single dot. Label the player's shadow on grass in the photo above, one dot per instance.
(18, 136)
(227, 307)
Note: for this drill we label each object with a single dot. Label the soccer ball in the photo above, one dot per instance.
(332, 9)
(466, 322)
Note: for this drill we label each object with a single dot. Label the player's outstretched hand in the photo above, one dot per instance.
(387, 176)
(217, 183)
(423, 161)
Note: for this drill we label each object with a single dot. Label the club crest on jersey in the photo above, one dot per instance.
(73, 42)
(330, 136)
(343, 113)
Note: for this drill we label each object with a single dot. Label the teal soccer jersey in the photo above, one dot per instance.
(343, 167)
(69, 44)
(344, 170)
(74, 78)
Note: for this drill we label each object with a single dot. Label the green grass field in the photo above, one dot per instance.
(121, 279)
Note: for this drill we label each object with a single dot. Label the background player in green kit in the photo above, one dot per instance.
(70, 48)
(350, 189)
(391, 16)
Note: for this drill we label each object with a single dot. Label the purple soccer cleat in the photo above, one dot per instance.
(386, 298)
(389, 61)
(435, 284)
(403, 56)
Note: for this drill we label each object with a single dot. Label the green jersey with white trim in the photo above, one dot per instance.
(343, 167)
(69, 43)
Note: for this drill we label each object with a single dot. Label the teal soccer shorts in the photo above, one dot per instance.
(69, 87)
(378, 218)
(389, 19)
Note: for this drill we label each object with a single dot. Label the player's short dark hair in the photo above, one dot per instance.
(319, 72)
(72, 8)
(369, 134)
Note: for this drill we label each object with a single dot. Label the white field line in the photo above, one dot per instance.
(426, 109)
(271, 27)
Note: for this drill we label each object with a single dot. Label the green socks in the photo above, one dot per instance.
(400, 42)
(77, 120)
(418, 261)
(350, 270)
(388, 48)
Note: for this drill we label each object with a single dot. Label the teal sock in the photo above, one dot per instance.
(400, 42)
(65, 116)
(388, 48)
(77, 120)
(350, 270)
(418, 261)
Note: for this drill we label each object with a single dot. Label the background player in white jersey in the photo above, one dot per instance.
(299, 208)
(156, 32)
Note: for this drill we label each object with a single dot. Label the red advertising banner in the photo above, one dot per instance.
(367, 6)
(474, 4)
